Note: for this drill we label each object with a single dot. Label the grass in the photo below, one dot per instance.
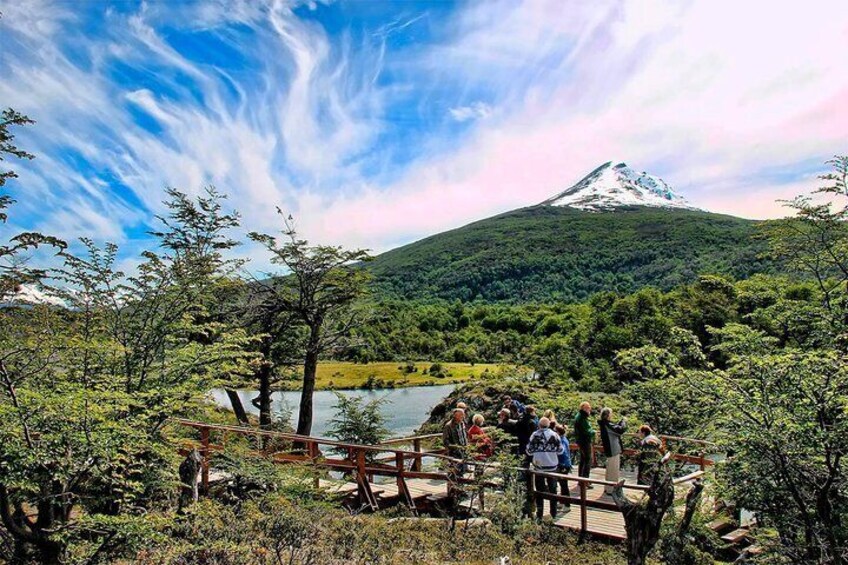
(392, 374)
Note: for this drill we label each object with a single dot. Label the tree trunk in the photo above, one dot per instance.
(677, 545)
(310, 368)
(642, 521)
(189, 472)
(238, 407)
(265, 392)
(27, 534)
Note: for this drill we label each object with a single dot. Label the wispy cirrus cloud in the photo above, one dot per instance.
(474, 111)
(377, 124)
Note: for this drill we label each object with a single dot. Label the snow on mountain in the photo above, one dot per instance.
(614, 186)
(31, 295)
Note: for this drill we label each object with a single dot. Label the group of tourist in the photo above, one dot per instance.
(543, 443)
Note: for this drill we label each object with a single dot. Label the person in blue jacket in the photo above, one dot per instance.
(564, 465)
(515, 407)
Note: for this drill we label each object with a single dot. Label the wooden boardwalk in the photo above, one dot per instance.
(608, 524)
(378, 476)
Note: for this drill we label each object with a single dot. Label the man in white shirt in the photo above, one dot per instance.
(545, 447)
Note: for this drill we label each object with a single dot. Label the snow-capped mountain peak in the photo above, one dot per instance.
(31, 295)
(617, 185)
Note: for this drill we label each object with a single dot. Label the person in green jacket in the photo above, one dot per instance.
(584, 435)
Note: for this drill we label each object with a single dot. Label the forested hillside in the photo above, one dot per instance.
(559, 253)
(597, 345)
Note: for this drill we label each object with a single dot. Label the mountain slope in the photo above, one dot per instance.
(559, 252)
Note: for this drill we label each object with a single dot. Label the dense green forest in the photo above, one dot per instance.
(557, 253)
(586, 344)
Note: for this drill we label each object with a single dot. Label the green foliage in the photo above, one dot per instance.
(319, 294)
(276, 530)
(358, 420)
(9, 118)
(547, 253)
(602, 344)
(698, 547)
(780, 390)
(84, 392)
(13, 270)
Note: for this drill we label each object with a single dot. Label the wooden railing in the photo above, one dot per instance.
(702, 449)
(416, 442)
(355, 458)
(583, 484)
(362, 463)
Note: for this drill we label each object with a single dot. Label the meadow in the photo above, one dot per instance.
(391, 374)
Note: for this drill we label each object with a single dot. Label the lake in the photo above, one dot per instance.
(405, 409)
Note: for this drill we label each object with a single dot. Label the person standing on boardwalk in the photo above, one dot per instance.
(564, 464)
(524, 428)
(650, 453)
(479, 439)
(611, 440)
(454, 434)
(544, 447)
(455, 441)
(464, 407)
(584, 435)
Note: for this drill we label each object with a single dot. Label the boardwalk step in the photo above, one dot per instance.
(438, 497)
(736, 535)
(721, 524)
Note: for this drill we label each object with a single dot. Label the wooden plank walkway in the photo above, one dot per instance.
(607, 524)
(378, 476)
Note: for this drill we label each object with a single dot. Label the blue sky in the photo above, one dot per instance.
(377, 123)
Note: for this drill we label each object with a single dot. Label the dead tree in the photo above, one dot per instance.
(642, 520)
(189, 471)
(675, 548)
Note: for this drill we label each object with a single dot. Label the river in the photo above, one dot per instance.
(404, 411)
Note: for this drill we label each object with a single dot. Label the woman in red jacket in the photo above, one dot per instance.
(479, 440)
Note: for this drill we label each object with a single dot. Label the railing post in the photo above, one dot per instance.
(416, 445)
(204, 460)
(584, 518)
(403, 489)
(703, 463)
(531, 492)
(482, 485)
(365, 493)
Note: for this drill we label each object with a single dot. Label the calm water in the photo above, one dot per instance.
(405, 408)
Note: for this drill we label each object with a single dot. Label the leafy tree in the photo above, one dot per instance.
(278, 340)
(85, 391)
(319, 290)
(358, 420)
(13, 270)
(782, 415)
(648, 362)
(781, 401)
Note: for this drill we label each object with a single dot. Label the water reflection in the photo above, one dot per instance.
(405, 408)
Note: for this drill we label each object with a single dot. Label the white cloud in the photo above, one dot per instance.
(475, 111)
(705, 93)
